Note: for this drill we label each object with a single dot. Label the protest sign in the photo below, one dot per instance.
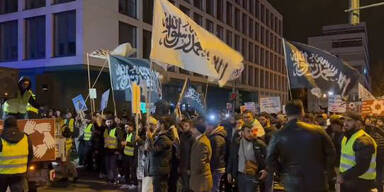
(270, 104)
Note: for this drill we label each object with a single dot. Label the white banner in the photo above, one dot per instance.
(178, 40)
(250, 106)
(336, 104)
(270, 104)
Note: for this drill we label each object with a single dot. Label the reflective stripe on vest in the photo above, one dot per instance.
(18, 104)
(30, 108)
(14, 157)
(88, 132)
(129, 150)
(110, 140)
(348, 158)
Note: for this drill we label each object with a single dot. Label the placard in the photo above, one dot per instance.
(41, 132)
(336, 104)
(270, 104)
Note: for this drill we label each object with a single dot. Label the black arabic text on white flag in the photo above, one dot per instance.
(178, 40)
(309, 67)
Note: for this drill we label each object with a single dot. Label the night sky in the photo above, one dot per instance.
(304, 18)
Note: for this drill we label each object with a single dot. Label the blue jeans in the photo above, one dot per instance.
(247, 183)
(216, 176)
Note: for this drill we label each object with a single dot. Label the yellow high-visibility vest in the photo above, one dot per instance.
(88, 132)
(128, 150)
(32, 109)
(348, 158)
(18, 104)
(70, 124)
(14, 157)
(110, 140)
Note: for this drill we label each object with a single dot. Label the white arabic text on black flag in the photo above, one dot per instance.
(178, 40)
(309, 67)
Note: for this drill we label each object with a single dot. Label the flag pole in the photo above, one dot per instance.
(110, 80)
(286, 69)
(206, 93)
(89, 82)
(149, 93)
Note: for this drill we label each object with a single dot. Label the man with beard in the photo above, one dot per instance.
(186, 141)
(358, 157)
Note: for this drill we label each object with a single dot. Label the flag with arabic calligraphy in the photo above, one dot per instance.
(125, 71)
(177, 40)
(309, 67)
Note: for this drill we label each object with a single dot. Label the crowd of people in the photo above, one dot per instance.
(241, 152)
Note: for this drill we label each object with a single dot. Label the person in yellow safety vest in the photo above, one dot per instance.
(16, 105)
(358, 157)
(16, 151)
(68, 167)
(130, 155)
(85, 147)
(112, 145)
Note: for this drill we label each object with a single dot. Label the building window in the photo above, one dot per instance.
(262, 58)
(257, 9)
(267, 18)
(198, 4)
(65, 34)
(352, 42)
(250, 76)
(128, 7)
(262, 84)
(209, 6)
(219, 11)
(250, 52)
(237, 19)
(262, 13)
(244, 75)
(229, 38)
(244, 48)
(187, 1)
(257, 32)
(184, 10)
(267, 80)
(262, 32)
(147, 35)
(62, 1)
(33, 4)
(8, 41)
(229, 13)
(220, 32)
(245, 24)
(209, 26)
(127, 34)
(245, 4)
(267, 59)
(35, 37)
(250, 29)
(252, 7)
(256, 77)
(257, 54)
(148, 11)
(8, 6)
(198, 18)
(237, 43)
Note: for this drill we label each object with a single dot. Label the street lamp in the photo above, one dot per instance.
(330, 93)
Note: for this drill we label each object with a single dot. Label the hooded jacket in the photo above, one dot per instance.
(219, 148)
(12, 134)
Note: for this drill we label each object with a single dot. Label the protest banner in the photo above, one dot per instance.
(270, 104)
(79, 104)
(373, 108)
(104, 100)
(41, 132)
(336, 104)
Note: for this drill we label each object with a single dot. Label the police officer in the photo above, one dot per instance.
(358, 157)
(16, 151)
(18, 105)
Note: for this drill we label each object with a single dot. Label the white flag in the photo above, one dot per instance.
(178, 40)
(124, 50)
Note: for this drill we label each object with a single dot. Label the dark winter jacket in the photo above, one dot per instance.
(186, 141)
(269, 132)
(305, 152)
(259, 148)
(219, 149)
(364, 148)
(377, 133)
(14, 135)
(160, 155)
